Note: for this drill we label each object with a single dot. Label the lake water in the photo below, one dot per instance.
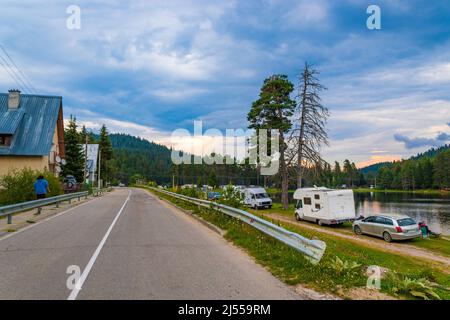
(433, 209)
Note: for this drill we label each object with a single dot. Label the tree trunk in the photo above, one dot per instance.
(302, 131)
(284, 175)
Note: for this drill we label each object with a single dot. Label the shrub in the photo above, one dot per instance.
(18, 185)
(232, 197)
(190, 192)
(342, 267)
(419, 288)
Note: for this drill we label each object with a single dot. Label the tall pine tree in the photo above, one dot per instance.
(106, 155)
(273, 111)
(74, 152)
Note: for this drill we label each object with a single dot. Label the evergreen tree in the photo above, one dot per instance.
(106, 155)
(272, 111)
(442, 170)
(74, 152)
(212, 179)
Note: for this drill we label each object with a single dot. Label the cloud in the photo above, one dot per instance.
(413, 143)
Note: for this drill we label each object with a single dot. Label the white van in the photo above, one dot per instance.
(257, 198)
(325, 206)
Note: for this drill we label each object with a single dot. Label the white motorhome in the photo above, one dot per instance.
(257, 198)
(325, 206)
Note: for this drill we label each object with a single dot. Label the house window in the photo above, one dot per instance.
(307, 201)
(317, 196)
(5, 140)
(318, 206)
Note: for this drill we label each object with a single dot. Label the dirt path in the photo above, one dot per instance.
(402, 249)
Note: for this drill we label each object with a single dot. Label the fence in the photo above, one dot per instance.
(10, 210)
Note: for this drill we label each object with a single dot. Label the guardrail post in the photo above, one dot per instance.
(9, 218)
(70, 201)
(57, 204)
(39, 210)
(79, 198)
(85, 196)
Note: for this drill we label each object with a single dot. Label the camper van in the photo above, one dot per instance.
(325, 206)
(257, 198)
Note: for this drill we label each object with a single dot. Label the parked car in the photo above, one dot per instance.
(213, 195)
(70, 184)
(389, 227)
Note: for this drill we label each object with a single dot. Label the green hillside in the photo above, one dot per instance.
(134, 155)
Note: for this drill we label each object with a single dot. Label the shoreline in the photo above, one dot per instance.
(418, 191)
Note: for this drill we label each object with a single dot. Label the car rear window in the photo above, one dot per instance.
(406, 222)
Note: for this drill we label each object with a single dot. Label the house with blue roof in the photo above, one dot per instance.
(31, 132)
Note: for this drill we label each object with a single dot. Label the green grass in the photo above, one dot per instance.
(291, 267)
(438, 245)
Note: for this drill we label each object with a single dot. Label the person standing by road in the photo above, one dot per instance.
(41, 187)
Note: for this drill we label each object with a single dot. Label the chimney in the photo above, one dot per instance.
(13, 99)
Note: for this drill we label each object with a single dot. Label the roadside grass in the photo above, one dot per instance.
(439, 245)
(291, 267)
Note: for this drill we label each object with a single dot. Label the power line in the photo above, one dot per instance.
(11, 74)
(25, 77)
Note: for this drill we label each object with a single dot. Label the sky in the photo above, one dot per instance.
(148, 68)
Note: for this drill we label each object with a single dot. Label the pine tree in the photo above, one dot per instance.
(212, 179)
(272, 111)
(106, 155)
(74, 152)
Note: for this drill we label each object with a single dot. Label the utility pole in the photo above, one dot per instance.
(99, 166)
(85, 159)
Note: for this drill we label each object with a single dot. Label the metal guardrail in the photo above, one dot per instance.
(11, 209)
(312, 249)
(99, 191)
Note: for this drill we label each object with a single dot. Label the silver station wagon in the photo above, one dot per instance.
(389, 227)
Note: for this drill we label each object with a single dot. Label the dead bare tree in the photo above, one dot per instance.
(309, 133)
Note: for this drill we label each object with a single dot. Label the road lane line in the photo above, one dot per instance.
(79, 284)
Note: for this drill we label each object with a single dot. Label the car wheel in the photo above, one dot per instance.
(387, 237)
(357, 230)
(297, 217)
(319, 222)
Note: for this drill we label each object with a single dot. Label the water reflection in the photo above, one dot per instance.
(433, 209)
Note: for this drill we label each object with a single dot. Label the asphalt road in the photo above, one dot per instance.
(129, 245)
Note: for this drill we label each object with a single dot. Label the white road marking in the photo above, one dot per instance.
(79, 285)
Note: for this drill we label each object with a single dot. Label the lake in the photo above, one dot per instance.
(433, 209)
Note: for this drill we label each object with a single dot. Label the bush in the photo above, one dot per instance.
(18, 185)
(190, 192)
(419, 288)
(232, 197)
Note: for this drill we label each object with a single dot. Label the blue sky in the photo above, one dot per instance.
(150, 67)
